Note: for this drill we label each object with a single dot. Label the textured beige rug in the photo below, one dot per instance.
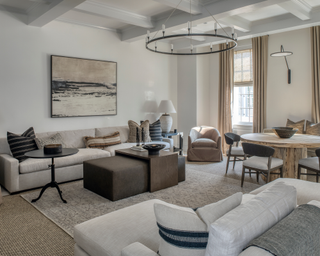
(205, 183)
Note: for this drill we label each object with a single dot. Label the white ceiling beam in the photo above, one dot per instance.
(237, 22)
(219, 9)
(183, 6)
(298, 8)
(43, 13)
(114, 13)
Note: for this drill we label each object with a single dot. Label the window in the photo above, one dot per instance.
(243, 88)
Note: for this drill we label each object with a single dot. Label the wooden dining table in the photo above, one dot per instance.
(290, 150)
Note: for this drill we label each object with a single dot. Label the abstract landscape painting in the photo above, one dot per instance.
(83, 87)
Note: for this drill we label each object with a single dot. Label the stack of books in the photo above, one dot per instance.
(138, 148)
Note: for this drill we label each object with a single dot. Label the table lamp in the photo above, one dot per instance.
(166, 107)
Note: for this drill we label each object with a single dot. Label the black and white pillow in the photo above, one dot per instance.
(155, 131)
(21, 144)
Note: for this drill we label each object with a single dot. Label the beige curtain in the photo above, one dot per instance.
(225, 89)
(260, 68)
(315, 67)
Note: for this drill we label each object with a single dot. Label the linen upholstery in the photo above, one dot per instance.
(137, 249)
(21, 144)
(255, 251)
(200, 147)
(230, 234)
(103, 141)
(109, 234)
(315, 203)
(35, 165)
(262, 163)
(133, 131)
(236, 151)
(296, 125)
(53, 139)
(312, 129)
(315, 72)
(260, 73)
(312, 162)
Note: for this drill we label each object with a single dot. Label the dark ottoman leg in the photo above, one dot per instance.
(181, 168)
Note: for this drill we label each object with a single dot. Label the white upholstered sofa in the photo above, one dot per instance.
(133, 231)
(33, 173)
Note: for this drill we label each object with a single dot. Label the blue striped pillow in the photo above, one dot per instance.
(155, 131)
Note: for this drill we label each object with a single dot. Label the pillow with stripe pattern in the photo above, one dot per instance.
(155, 131)
(185, 232)
(103, 141)
(21, 144)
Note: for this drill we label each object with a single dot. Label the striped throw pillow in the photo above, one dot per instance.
(103, 141)
(155, 131)
(21, 144)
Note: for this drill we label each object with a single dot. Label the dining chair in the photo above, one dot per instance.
(261, 161)
(311, 164)
(234, 152)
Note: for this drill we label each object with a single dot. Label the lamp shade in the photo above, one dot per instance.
(166, 106)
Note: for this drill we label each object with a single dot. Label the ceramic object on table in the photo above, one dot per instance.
(154, 149)
(284, 132)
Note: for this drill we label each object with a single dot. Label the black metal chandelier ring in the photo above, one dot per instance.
(230, 39)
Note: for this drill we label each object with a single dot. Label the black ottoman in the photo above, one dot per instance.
(181, 168)
(116, 177)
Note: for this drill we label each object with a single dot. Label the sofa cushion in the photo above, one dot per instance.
(296, 125)
(133, 126)
(111, 149)
(211, 212)
(103, 141)
(110, 233)
(155, 131)
(35, 165)
(72, 138)
(233, 231)
(312, 129)
(238, 151)
(306, 190)
(182, 231)
(262, 163)
(123, 130)
(311, 162)
(21, 144)
(204, 143)
(52, 139)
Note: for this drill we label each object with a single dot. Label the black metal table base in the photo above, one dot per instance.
(52, 184)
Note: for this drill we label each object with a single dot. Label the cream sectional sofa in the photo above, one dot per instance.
(33, 173)
(133, 231)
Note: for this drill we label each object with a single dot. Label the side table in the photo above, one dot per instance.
(175, 133)
(40, 154)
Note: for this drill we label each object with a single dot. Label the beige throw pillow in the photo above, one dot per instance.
(296, 125)
(312, 129)
(133, 131)
(103, 141)
(52, 139)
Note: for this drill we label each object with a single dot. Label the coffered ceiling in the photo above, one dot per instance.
(132, 18)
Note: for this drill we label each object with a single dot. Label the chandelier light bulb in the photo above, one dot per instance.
(232, 29)
(163, 27)
(148, 33)
(171, 46)
(211, 46)
(235, 36)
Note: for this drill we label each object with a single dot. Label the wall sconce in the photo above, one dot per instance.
(284, 54)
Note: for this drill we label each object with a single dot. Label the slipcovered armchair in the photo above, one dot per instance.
(204, 144)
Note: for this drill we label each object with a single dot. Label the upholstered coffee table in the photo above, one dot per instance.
(163, 168)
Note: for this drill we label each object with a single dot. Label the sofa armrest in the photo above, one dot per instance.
(170, 141)
(137, 249)
(9, 172)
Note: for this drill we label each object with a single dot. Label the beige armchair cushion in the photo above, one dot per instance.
(202, 142)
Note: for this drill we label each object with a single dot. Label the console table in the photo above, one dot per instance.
(40, 154)
(175, 133)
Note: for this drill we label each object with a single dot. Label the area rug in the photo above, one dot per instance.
(205, 184)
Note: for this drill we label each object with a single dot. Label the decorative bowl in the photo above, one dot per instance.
(154, 149)
(284, 132)
(52, 149)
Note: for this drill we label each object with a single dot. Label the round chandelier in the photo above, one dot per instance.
(230, 41)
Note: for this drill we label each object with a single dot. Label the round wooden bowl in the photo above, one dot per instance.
(154, 149)
(284, 132)
(52, 149)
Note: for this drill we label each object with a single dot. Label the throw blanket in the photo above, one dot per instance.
(297, 234)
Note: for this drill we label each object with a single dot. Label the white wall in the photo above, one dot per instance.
(25, 74)
(283, 100)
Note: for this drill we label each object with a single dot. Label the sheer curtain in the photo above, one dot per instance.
(315, 67)
(225, 89)
(260, 67)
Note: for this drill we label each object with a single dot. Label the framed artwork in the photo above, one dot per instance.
(83, 87)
